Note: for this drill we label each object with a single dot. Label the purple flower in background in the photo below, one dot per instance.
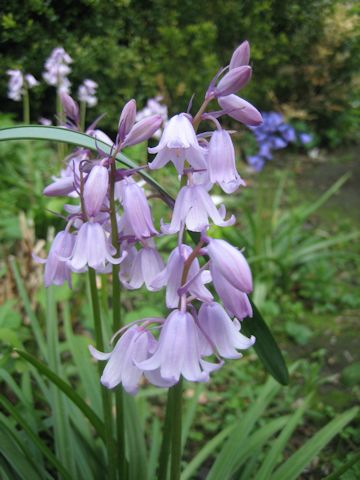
(56, 270)
(193, 207)
(87, 92)
(221, 162)
(177, 144)
(57, 69)
(171, 278)
(178, 351)
(18, 82)
(273, 134)
(154, 107)
(223, 333)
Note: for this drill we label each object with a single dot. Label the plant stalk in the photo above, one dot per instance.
(105, 394)
(26, 106)
(176, 431)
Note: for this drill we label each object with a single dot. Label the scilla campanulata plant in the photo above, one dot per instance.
(111, 230)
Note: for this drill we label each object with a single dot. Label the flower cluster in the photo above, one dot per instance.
(112, 225)
(87, 92)
(18, 83)
(273, 134)
(57, 69)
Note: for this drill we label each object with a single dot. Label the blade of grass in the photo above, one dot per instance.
(294, 466)
(68, 391)
(36, 439)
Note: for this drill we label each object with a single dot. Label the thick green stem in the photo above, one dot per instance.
(60, 121)
(117, 322)
(26, 107)
(105, 394)
(166, 438)
(82, 116)
(176, 431)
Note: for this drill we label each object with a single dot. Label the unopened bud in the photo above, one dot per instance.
(233, 81)
(241, 56)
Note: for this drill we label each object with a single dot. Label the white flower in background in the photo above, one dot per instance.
(18, 82)
(87, 92)
(154, 107)
(57, 69)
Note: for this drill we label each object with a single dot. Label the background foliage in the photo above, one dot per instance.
(305, 53)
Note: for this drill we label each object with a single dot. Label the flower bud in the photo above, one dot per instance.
(241, 56)
(95, 189)
(240, 110)
(127, 119)
(233, 81)
(70, 107)
(143, 130)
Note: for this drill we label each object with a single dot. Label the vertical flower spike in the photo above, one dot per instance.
(230, 263)
(178, 351)
(136, 209)
(87, 92)
(95, 189)
(221, 161)
(223, 333)
(177, 144)
(171, 277)
(193, 207)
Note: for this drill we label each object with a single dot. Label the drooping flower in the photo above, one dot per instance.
(178, 351)
(141, 266)
(193, 207)
(136, 208)
(134, 346)
(95, 189)
(230, 263)
(172, 274)
(56, 269)
(221, 332)
(92, 248)
(235, 301)
(87, 92)
(177, 144)
(221, 162)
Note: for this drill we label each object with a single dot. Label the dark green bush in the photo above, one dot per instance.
(304, 52)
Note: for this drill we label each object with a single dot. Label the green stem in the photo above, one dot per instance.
(176, 431)
(60, 120)
(26, 106)
(117, 322)
(105, 394)
(166, 438)
(82, 116)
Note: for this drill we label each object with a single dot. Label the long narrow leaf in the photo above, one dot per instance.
(35, 439)
(280, 443)
(68, 391)
(135, 441)
(64, 135)
(293, 467)
(266, 346)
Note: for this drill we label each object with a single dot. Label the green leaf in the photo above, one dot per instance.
(19, 459)
(265, 346)
(135, 440)
(280, 443)
(64, 135)
(35, 439)
(294, 466)
(68, 391)
(226, 462)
